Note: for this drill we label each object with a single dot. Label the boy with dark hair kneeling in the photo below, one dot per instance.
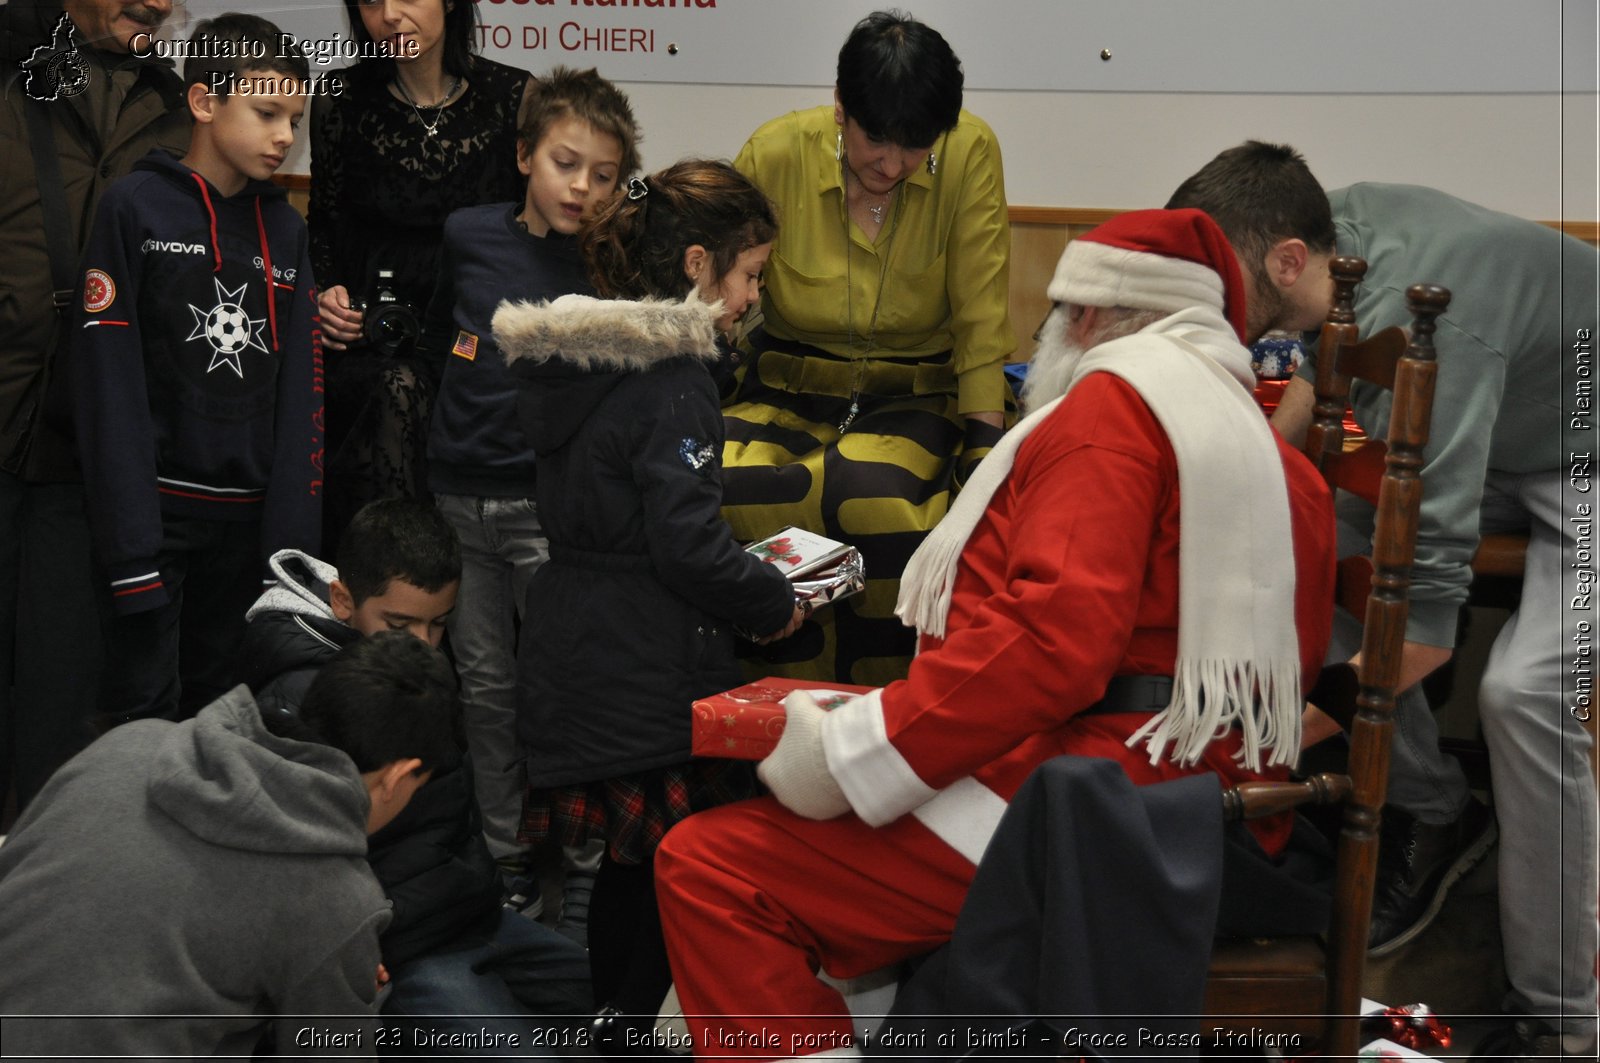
(190, 880)
(452, 953)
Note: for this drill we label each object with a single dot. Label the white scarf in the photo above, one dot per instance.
(1238, 651)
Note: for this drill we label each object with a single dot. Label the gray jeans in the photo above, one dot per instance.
(502, 546)
(1544, 792)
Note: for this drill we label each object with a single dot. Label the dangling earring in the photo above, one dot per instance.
(933, 163)
(838, 146)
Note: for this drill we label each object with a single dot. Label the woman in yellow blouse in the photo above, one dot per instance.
(875, 380)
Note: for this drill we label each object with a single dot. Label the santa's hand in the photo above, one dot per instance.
(797, 770)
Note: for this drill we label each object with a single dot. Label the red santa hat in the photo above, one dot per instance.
(1166, 260)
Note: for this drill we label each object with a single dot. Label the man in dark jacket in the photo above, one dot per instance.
(79, 108)
(453, 954)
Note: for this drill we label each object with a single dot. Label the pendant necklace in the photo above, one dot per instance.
(875, 209)
(438, 112)
(849, 305)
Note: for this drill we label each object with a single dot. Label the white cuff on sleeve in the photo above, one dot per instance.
(877, 780)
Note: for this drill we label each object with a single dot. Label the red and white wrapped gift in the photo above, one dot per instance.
(746, 722)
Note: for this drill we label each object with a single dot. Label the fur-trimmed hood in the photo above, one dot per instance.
(568, 354)
(607, 335)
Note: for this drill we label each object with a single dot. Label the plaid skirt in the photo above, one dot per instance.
(634, 812)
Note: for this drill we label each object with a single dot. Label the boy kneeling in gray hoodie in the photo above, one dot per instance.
(191, 881)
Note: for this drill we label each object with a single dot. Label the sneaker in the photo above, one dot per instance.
(575, 893)
(1417, 865)
(1531, 1039)
(519, 890)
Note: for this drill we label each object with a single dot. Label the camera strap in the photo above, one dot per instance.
(53, 203)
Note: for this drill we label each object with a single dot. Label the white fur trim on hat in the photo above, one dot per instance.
(1097, 274)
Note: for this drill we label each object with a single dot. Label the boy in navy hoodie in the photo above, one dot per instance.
(197, 379)
(576, 139)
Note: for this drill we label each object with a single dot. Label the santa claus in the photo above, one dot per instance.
(1141, 570)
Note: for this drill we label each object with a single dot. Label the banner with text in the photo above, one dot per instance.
(1221, 46)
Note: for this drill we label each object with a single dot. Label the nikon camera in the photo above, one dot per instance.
(392, 325)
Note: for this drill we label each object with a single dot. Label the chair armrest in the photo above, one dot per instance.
(1252, 800)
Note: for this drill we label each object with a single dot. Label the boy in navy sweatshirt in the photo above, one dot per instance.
(197, 379)
(576, 139)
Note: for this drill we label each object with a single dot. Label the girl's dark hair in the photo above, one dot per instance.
(635, 245)
(898, 80)
(460, 38)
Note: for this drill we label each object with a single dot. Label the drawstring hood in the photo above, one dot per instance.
(266, 266)
(211, 217)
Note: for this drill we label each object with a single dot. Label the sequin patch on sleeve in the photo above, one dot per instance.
(698, 455)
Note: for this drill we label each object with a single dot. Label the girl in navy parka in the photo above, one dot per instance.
(634, 615)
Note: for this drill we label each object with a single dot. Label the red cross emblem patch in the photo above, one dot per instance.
(99, 291)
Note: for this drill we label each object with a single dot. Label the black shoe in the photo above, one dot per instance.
(617, 1035)
(1531, 1039)
(1417, 865)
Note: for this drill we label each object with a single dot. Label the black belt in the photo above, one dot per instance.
(1134, 693)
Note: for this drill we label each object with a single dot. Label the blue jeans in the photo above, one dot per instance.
(522, 971)
(502, 546)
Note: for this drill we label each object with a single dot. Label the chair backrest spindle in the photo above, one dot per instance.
(1382, 644)
(1325, 436)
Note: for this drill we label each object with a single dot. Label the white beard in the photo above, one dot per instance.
(1054, 364)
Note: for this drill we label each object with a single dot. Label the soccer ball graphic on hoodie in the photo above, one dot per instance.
(227, 328)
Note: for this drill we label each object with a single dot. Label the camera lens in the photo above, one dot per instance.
(392, 329)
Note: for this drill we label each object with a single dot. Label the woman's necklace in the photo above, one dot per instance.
(850, 295)
(874, 209)
(438, 109)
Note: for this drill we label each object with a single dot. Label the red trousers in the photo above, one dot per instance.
(755, 899)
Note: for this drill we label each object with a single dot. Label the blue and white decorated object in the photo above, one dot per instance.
(1277, 355)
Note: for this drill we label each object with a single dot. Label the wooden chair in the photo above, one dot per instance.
(1497, 566)
(1498, 563)
(1312, 986)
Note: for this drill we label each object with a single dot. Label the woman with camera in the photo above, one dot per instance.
(423, 129)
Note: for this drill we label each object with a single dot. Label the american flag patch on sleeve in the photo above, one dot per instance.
(466, 346)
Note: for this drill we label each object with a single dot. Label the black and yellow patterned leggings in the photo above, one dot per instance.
(880, 484)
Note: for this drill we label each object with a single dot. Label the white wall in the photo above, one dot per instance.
(1528, 154)
(1523, 147)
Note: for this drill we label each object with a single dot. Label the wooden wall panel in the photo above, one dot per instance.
(1038, 235)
